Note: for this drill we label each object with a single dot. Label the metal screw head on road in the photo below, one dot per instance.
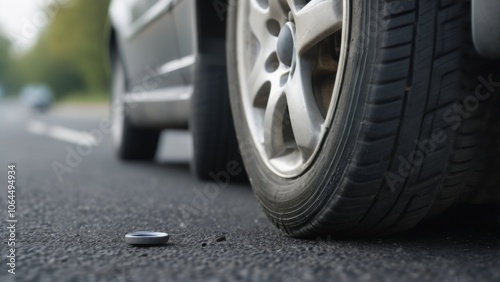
(146, 238)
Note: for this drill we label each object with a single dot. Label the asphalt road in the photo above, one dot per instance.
(72, 228)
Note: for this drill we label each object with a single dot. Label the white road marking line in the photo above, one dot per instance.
(62, 133)
(36, 127)
(71, 136)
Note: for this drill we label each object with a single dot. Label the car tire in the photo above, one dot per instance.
(211, 123)
(129, 141)
(383, 154)
(473, 168)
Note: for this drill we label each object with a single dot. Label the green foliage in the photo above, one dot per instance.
(70, 54)
(5, 60)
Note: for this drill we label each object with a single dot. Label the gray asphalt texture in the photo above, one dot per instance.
(73, 230)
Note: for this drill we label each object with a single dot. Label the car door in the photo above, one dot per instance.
(147, 41)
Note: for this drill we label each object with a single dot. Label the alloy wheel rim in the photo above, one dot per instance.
(291, 56)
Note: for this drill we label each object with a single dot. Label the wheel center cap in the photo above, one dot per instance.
(286, 44)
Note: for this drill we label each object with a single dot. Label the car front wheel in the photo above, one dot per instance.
(129, 141)
(340, 109)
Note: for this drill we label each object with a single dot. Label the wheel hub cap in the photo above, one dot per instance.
(286, 44)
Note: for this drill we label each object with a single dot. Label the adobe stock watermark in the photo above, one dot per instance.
(33, 25)
(76, 154)
(409, 165)
(11, 218)
(221, 180)
(203, 197)
(221, 8)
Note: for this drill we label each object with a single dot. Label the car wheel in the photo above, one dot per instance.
(340, 109)
(130, 142)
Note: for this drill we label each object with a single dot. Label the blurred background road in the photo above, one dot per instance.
(73, 229)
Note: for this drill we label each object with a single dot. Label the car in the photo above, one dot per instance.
(351, 118)
(37, 97)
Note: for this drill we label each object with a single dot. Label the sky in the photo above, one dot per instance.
(22, 20)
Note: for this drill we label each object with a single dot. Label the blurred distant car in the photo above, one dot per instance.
(352, 117)
(38, 97)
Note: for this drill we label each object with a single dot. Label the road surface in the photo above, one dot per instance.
(73, 213)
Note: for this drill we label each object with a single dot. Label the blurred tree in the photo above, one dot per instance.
(5, 60)
(76, 36)
(70, 54)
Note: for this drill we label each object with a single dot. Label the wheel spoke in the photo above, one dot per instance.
(258, 18)
(274, 142)
(316, 21)
(305, 116)
(276, 11)
(258, 77)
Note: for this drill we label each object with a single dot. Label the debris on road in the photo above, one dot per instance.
(212, 241)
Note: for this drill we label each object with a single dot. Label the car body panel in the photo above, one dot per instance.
(486, 27)
(147, 39)
(161, 108)
(185, 23)
(159, 64)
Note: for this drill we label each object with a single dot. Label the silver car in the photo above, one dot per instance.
(37, 97)
(349, 117)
